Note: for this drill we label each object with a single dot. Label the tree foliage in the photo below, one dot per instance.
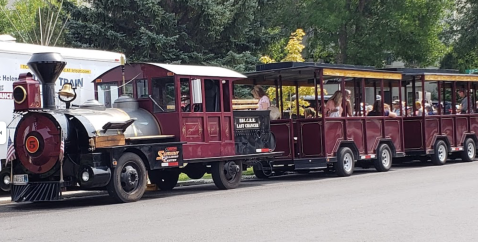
(234, 33)
(3, 19)
(293, 52)
(35, 21)
(180, 31)
(464, 36)
(362, 32)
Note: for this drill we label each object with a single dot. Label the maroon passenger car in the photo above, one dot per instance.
(325, 142)
(440, 134)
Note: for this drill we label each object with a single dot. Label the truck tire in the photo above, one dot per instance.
(469, 152)
(384, 158)
(441, 153)
(226, 174)
(344, 166)
(128, 181)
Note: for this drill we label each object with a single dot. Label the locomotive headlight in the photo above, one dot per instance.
(85, 176)
(19, 94)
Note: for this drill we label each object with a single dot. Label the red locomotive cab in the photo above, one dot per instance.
(26, 93)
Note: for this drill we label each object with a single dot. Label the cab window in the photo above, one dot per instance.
(142, 88)
(107, 93)
(128, 89)
(213, 98)
(163, 94)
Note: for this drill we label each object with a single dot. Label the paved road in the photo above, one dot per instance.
(414, 203)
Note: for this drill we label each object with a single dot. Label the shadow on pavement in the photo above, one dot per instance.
(102, 199)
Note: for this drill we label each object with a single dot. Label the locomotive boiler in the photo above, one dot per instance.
(148, 136)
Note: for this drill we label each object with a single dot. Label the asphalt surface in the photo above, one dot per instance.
(409, 203)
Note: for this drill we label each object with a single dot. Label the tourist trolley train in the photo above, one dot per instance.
(174, 119)
(158, 120)
(339, 143)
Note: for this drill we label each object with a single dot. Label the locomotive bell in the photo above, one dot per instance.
(47, 67)
(67, 91)
(67, 94)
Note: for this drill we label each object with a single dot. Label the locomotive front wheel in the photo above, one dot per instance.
(384, 158)
(226, 175)
(441, 153)
(164, 180)
(469, 152)
(128, 181)
(345, 162)
(5, 180)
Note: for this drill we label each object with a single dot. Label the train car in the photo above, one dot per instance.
(448, 133)
(331, 143)
(176, 119)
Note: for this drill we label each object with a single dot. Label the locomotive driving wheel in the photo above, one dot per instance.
(128, 181)
(226, 174)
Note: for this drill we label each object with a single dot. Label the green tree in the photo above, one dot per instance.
(3, 18)
(215, 32)
(35, 21)
(361, 32)
(293, 52)
(463, 36)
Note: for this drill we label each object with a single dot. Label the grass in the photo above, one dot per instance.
(184, 177)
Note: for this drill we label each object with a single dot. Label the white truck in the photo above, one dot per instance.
(83, 66)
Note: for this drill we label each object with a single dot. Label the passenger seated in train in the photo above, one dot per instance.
(377, 110)
(264, 101)
(419, 109)
(348, 103)
(396, 108)
(429, 110)
(275, 113)
(333, 106)
(309, 113)
(464, 102)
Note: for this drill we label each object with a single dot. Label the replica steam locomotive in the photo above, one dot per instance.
(119, 148)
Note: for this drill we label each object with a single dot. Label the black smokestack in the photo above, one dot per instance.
(47, 67)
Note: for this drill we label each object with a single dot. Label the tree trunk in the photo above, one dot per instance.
(343, 37)
(342, 56)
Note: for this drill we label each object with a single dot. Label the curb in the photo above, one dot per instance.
(74, 194)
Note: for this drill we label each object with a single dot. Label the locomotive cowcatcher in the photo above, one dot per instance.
(165, 120)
